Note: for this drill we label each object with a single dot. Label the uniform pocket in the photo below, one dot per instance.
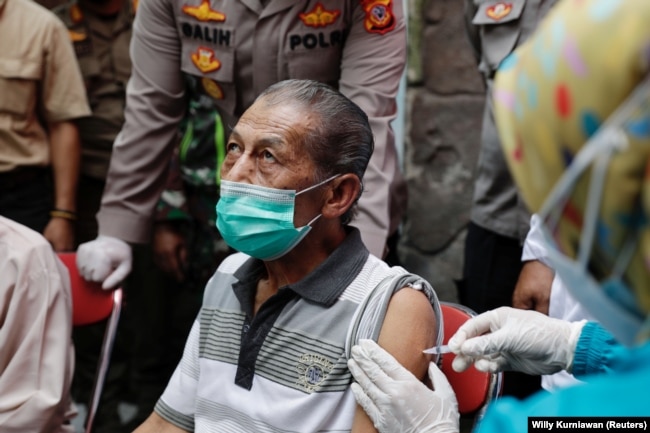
(315, 55)
(212, 64)
(500, 26)
(18, 85)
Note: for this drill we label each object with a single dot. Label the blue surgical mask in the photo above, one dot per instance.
(258, 221)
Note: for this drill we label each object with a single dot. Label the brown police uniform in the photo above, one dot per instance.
(502, 26)
(499, 217)
(233, 51)
(102, 49)
(101, 45)
(39, 84)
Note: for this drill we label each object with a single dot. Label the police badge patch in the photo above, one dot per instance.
(379, 16)
(319, 16)
(204, 12)
(212, 88)
(205, 60)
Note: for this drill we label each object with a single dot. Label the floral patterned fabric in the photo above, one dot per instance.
(561, 93)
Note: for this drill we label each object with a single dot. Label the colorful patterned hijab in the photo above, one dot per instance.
(573, 104)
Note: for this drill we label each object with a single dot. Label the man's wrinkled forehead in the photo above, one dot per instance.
(272, 125)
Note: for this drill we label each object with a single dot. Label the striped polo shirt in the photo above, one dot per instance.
(284, 369)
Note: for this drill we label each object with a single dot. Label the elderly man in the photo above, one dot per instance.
(267, 351)
(37, 358)
(197, 66)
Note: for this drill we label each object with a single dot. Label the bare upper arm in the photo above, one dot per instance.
(409, 328)
(156, 424)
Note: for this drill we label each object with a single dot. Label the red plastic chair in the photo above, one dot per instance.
(92, 304)
(474, 389)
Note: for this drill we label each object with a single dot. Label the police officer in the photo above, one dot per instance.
(41, 95)
(499, 219)
(201, 63)
(100, 32)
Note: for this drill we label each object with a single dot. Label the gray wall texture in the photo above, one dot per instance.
(445, 98)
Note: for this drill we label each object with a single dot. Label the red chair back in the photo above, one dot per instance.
(90, 303)
(474, 389)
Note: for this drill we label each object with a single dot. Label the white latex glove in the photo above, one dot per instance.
(395, 400)
(509, 339)
(106, 260)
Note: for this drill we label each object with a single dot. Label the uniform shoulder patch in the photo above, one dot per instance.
(379, 16)
(499, 10)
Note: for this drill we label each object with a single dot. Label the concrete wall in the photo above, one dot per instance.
(443, 118)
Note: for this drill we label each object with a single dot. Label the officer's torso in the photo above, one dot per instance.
(236, 49)
(232, 50)
(102, 49)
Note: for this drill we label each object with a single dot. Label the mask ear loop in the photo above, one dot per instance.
(631, 242)
(314, 219)
(318, 184)
(314, 187)
(617, 316)
(594, 200)
(606, 140)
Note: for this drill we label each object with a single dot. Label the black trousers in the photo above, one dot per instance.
(26, 196)
(492, 267)
(88, 339)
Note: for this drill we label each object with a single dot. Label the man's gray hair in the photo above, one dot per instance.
(342, 142)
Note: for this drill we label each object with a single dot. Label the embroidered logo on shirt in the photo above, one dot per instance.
(204, 12)
(498, 11)
(379, 16)
(212, 88)
(313, 370)
(204, 59)
(319, 16)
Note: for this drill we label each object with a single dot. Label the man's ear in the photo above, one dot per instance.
(343, 194)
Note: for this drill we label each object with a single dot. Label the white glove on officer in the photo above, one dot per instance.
(509, 339)
(395, 400)
(105, 259)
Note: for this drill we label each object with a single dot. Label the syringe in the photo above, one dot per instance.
(438, 350)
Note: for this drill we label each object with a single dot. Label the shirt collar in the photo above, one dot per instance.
(323, 285)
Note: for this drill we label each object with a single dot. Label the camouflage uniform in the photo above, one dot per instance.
(189, 201)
